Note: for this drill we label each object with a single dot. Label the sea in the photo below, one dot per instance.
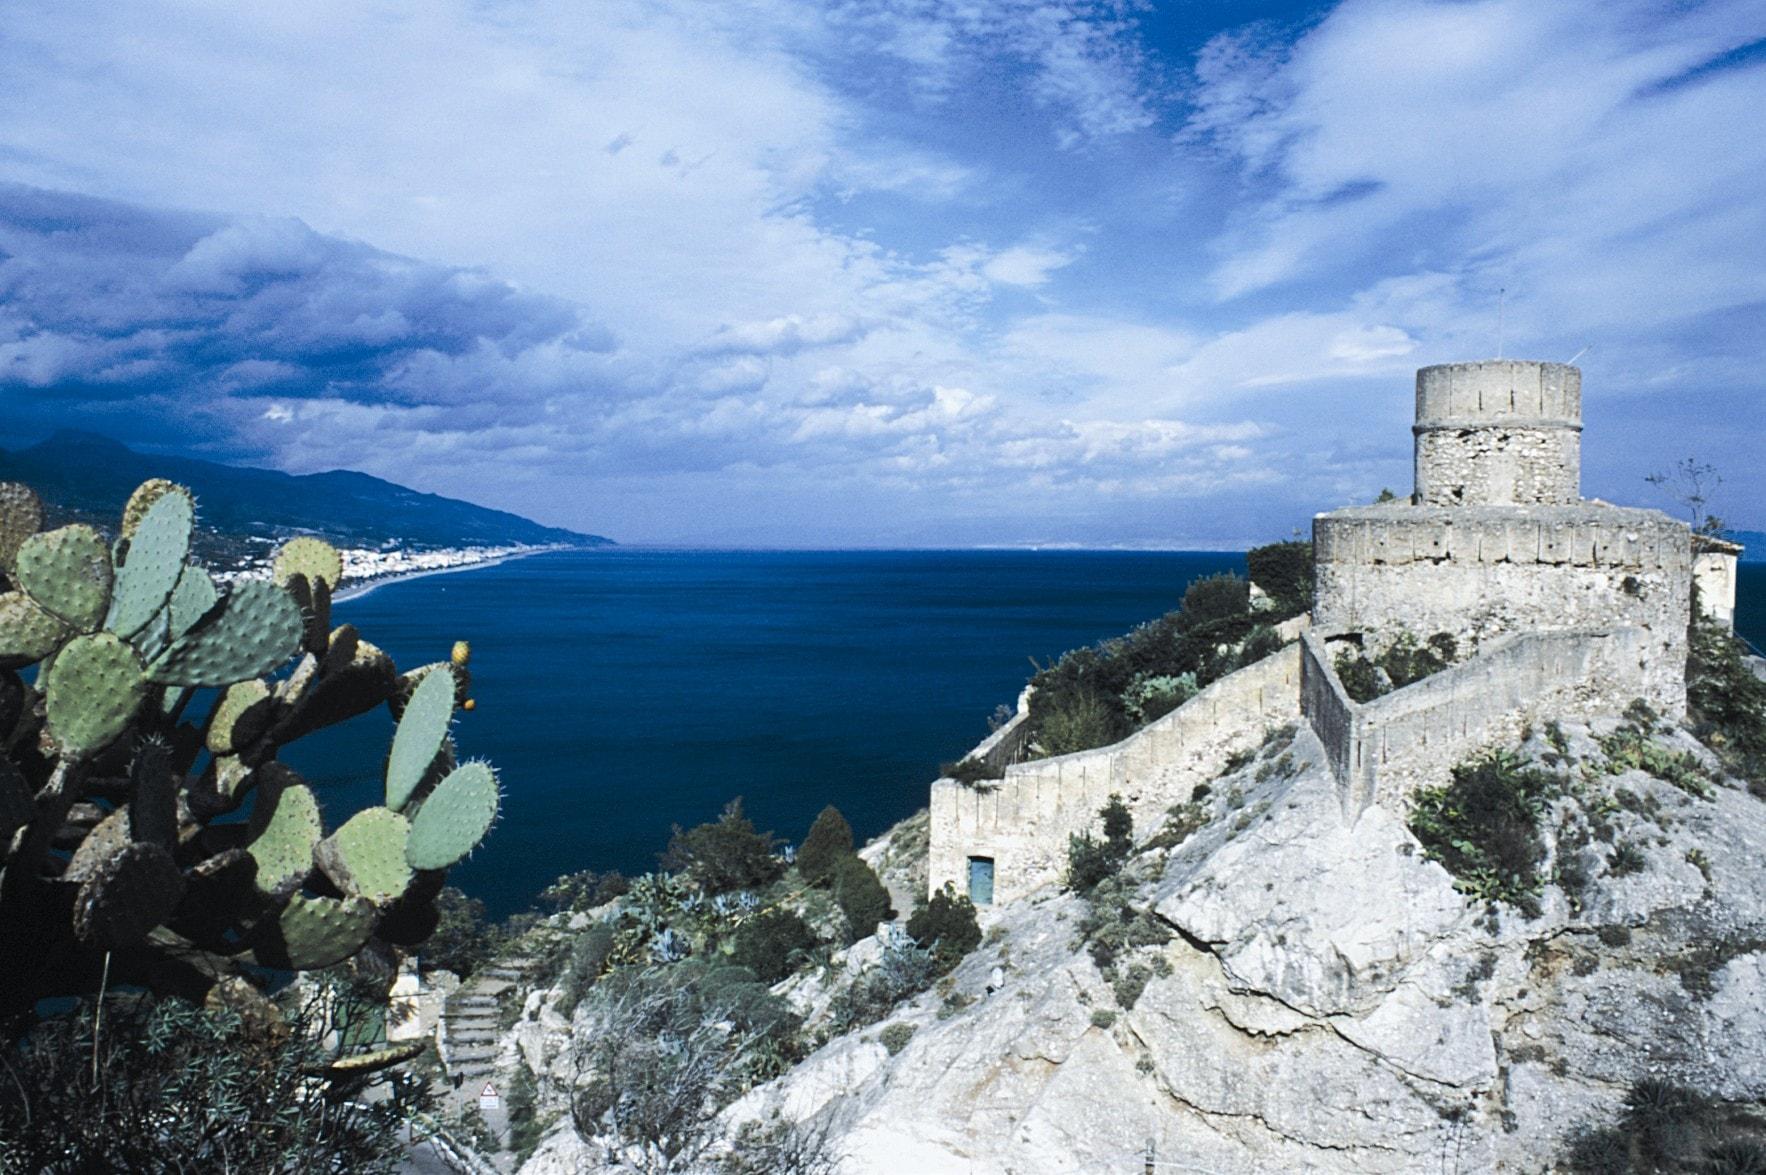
(622, 692)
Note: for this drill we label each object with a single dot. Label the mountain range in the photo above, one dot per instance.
(84, 474)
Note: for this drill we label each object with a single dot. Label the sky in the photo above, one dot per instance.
(881, 272)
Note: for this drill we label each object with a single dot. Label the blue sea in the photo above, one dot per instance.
(622, 692)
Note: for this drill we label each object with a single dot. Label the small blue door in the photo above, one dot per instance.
(981, 880)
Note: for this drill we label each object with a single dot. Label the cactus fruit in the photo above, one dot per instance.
(21, 514)
(111, 800)
(315, 559)
(27, 633)
(316, 932)
(128, 895)
(91, 692)
(461, 654)
(154, 561)
(68, 572)
(254, 629)
(285, 826)
(423, 728)
(366, 857)
(454, 817)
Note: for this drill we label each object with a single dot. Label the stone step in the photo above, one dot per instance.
(471, 1052)
(477, 1037)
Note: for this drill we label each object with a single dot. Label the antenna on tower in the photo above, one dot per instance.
(1501, 308)
(1579, 354)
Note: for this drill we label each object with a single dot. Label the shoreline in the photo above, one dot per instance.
(355, 591)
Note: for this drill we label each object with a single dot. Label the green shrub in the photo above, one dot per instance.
(1079, 721)
(861, 896)
(895, 1037)
(1102, 1017)
(772, 944)
(1726, 703)
(577, 893)
(1632, 748)
(1484, 828)
(158, 1084)
(905, 970)
(1212, 598)
(1361, 680)
(1150, 698)
(829, 839)
(946, 926)
(1668, 1127)
(1089, 860)
(1284, 571)
(589, 957)
(725, 856)
(526, 1128)
(970, 771)
(462, 942)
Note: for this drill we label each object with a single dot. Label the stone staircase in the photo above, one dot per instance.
(471, 1020)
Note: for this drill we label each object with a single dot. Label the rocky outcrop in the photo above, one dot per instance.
(1328, 1001)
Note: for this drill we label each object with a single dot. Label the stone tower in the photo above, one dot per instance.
(1503, 432)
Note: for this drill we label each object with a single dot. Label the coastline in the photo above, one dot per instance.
(361, 587)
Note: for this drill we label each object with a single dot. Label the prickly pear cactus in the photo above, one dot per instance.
(121, 846)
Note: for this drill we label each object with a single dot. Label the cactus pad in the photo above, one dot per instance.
(154, 562)
(153, 804)
(422, 729)
(93, 689)
(314, 558)
(21, 513)
(68, 572)
(145, 495)
(128, 895)
(317, 932)
(27, 633)
(242, 714)
(366, 857)
(191, 599)
(454, 818)
(253, 630)
(16, 807)
(286, 823)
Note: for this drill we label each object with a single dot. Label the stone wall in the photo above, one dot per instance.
(1484, 572)
(1023, 821)
(1384, 750)
(1500, 432)
(1520, 466)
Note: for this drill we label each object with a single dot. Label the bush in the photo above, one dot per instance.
(1725, 701)
(576, 893)
(1284, 571)
(1150, 698)
(971, 771)
(1484, 828)
(726, 856)
(180, 1088)
(589, 957)
(945, 926)
(1215, 597)
(829, 839)
(1668, 1127)
(1079, 721)
(895, 1037)
(462, 941)
(772, 944)
(1089, 860)
(905, 970)
(863, 900)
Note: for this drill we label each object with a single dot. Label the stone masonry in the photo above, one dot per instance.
(1559, 607)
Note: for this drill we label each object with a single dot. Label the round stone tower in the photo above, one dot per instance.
(1503, 432)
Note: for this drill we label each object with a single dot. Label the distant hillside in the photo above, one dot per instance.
(89, 475)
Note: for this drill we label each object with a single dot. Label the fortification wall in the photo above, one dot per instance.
(1023, 821)
(1500, 432)
(1521, 466)
(1483, 572)
(1385, 750)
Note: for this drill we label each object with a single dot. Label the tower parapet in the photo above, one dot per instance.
(1503, 432)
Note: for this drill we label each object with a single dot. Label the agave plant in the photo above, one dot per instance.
(141, 845)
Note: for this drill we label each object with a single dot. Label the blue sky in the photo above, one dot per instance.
(880, 272)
